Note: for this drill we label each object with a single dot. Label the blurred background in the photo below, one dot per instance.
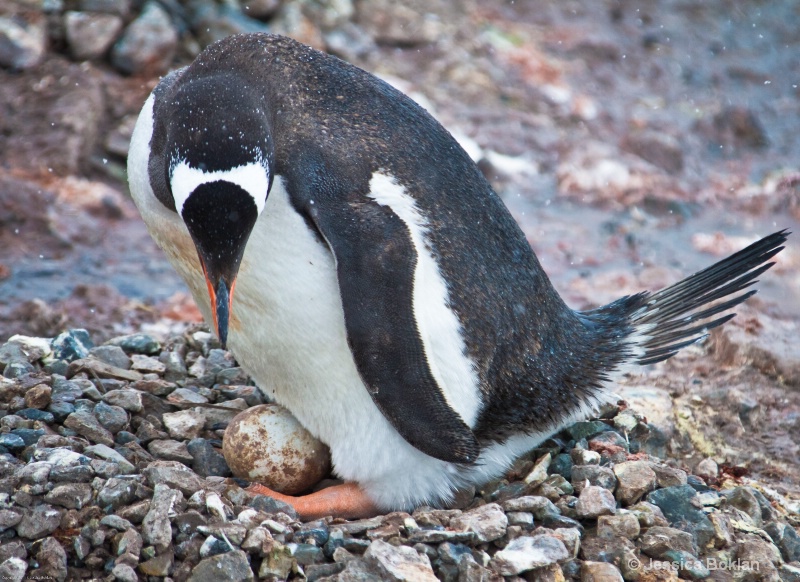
(634, 141)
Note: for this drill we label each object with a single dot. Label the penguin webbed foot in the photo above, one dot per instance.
(347, 501)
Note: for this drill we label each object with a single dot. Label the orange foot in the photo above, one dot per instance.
(347, 501)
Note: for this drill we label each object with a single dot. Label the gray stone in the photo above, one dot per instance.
(624, 524)
(526, 553)
(175, 365)
(434, 536)
(39, 521)
(786, 538)
(12, 442)
(399, 563)
(117, 492)
(762, 555)
(595, 501)
(184, 424)
(206, 460)
(112, 455)
(124, 573)
(170, 450)
(52, 560)
(9, 518)
(595, 475)
(147, 364)
(789, 573)
(173, 474)
(97, 368)
(72, 344)
(117, 522)
(634, 479)
(130, 400)
(148, 44)
(668, 476)
(676, 504)
(70, 495)
(186, 396)
(742, 498)
(156, 529)
(487, 522)
(657, 541)
(232, 566)
(112, 355)
(113, 418)
(13, 569)
(86, 425)
(541, 507)
(22, 41)
(136, 343)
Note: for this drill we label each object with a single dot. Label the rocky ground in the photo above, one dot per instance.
(111, 469)
(634, 142)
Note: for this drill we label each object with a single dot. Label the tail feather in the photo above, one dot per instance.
(665, 320)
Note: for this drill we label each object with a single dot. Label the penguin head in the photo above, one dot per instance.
(219, 153)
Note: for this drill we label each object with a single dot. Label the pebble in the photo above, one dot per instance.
(170, 450)
(707, 469)
(634, 479)
(70, 495)
(595, 475)
(148, 43)
(109, 454)
(156, 529)
(487, 522)
(174, 474)
(231, 566)
(184, 424)
(136, 343)
(23, 41)
(399, 563)
(86, 425)
(595, 501)
(786, 538)
(38, 397)
(71, 345)
(600, 572)
(13, 569)
(624, 525)
(527, 553)
(127, 399)
(39, 521)
(111, 355)
(676, 505)
(206, 460)
(657, 541)
(113, 418)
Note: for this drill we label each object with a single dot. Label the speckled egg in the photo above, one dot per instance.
(266, 444)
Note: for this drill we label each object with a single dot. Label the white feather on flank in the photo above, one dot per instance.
(438, 325)
(253, 178)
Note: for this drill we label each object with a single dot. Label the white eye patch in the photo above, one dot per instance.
(252, 178)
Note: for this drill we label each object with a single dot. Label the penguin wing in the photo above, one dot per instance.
(375, 261)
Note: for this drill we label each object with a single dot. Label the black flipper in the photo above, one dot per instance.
(375, 261)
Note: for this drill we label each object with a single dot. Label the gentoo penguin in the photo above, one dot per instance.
(359, 267)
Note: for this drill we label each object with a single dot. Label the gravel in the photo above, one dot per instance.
(106, 476)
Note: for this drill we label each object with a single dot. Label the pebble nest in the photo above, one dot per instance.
(111, 468)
